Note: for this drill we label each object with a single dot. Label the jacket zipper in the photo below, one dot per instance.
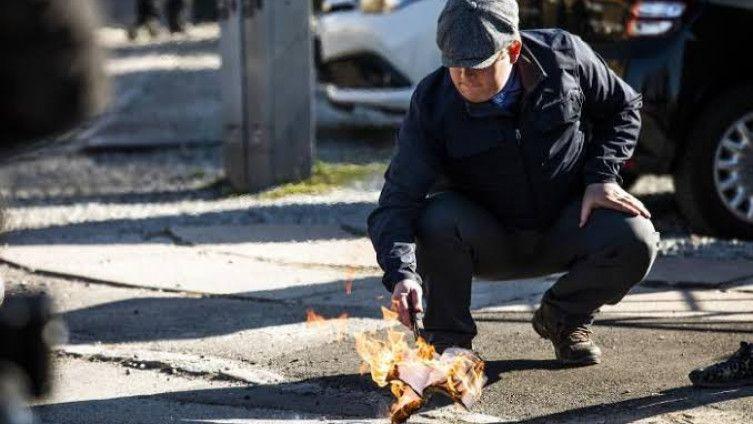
(531, 191)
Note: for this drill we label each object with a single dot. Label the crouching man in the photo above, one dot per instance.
(526, 131)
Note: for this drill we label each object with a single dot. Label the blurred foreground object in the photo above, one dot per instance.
(267, 91)
(52, 78)
(27, 332)
(52, 75)
(733, 372)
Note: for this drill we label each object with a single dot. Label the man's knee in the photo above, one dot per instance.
(643, 238)
(634, 239)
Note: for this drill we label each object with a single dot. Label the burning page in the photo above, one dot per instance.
(414, 372)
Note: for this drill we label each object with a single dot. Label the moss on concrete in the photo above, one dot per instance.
(326, 176)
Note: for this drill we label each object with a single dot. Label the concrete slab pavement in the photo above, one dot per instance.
(699, 272)
(317, 263)
(328, 245)
(177, 268)
(299, 269)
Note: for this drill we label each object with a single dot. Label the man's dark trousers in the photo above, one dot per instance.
(458, 239)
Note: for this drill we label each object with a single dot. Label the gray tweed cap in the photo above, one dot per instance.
(471, 33)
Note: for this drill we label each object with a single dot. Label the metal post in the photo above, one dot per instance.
(267, 86)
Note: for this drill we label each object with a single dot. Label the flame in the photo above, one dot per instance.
(389, 315)
(349, 280)
(407, 401)
(314, 319)
(409, 370)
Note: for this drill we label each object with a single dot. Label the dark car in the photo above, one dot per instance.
(689, 60)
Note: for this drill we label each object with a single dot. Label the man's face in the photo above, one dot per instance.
(480, 85)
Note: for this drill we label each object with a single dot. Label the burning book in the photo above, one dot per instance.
(413, 373)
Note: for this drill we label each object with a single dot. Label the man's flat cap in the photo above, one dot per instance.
(470, 33)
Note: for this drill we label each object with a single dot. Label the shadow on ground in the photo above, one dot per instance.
(631, 410)
(142, 319)
(353, 396)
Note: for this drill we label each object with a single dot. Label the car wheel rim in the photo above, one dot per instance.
(733, 168)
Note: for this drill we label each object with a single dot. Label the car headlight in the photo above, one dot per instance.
(383, 6)
(655, 17)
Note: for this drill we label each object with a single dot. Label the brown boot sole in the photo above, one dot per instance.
(582, 362)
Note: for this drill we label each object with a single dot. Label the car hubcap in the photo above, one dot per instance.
(733, 169)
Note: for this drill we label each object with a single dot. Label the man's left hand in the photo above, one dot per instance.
(610, 196)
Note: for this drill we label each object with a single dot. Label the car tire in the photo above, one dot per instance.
(695, 173)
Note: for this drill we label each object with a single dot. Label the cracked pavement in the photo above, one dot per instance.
(185, 304)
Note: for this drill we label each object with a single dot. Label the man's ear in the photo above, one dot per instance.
(514, 50)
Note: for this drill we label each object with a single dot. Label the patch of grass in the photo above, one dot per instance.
(324, 177)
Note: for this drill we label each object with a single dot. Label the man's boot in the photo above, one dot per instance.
(572, 343)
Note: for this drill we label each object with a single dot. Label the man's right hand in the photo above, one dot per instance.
(407, 293)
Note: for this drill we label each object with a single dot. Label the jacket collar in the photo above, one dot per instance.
(531, 71)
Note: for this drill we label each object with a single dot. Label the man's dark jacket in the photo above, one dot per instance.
(576, 124)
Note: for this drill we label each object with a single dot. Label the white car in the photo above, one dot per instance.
(372, 53)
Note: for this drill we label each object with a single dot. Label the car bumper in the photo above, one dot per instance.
(390, 100)
(365, 61)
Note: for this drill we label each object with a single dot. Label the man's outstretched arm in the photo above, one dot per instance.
(392, 225)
